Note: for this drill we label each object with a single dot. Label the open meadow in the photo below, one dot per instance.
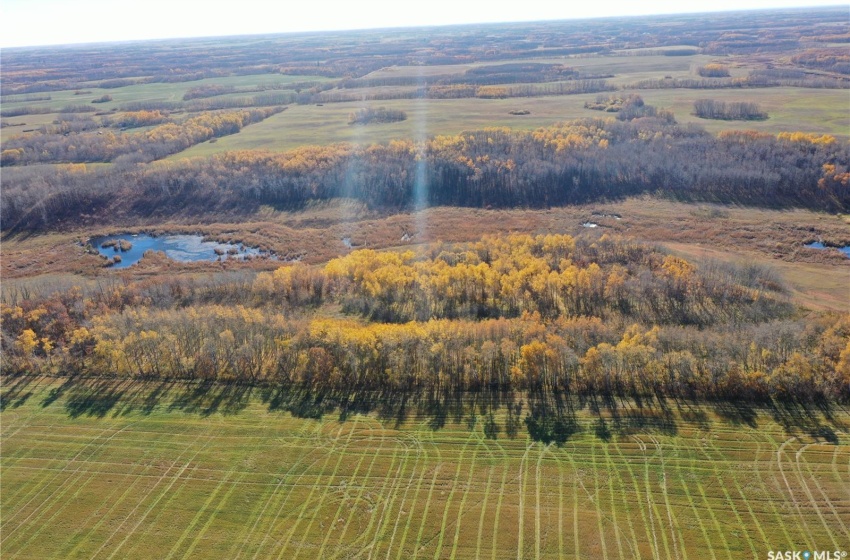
(819, 111)
(108, 469)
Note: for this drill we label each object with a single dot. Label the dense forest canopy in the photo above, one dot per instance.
(593, 159)
(603, 316)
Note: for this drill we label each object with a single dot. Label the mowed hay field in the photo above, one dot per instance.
(156, 471)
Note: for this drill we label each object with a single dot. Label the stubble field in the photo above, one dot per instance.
(127, 470)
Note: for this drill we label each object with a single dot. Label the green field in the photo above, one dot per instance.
(150, 91)
(141, 471)
(821, 111)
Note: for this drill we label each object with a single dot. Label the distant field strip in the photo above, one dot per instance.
(264, 484)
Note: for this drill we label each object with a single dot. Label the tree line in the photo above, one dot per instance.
(734, 111)
(107, 146)
(588, 316)
(369, 115)
(574, 162)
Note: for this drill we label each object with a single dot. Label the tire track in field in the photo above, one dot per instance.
(321, 444)
(747, 502)
(596, 501)
(361, 491)
(59, 494)
(23, 454)
(613, 468)
(416, 494)
(421, 455)
(731, 503)
(172, 495)
(653, 544)
(396, 494)
(441, 532)
(814, 502)
(242, 475)
(329, 489)
(361, 536)
(115, 502)
(385, 496)
(845, 484)
(468, 491)
(34, 414)
(166, 491)
(826, 498)
(575, 504)
(779, 518)
(430, 494)
(523, 481)
(335, 444)
(273, 491)
(18, 423)
(675, 530)
(708, 507)
(39, 488)
(502, 486)
(561, 548)
(196, 538)
(469, 479)
(493, 460)
(120, 500)
(650, 505)
(654, 513)
(233, 485)
(537, 528)
(805, 524)
(707, 541)
(343, 499)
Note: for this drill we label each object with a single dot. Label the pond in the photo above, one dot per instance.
(819, 245)
(184, 248)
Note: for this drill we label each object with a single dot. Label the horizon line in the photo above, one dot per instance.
(403, 27)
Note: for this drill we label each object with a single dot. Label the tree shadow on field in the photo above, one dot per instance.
(94, 398)
(797, 417)
(98, 397)
(436, 407)
(690, 411)
(209, 397)
(17, 390)
(619, 415)
(737, 413)
(551, 418)
(56, 393)
(395, 407)
(645, 415)
(151, 400)
(298, 401)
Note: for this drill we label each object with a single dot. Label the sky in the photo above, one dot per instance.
(52, 22)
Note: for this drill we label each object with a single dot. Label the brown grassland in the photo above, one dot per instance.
(705, 231)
